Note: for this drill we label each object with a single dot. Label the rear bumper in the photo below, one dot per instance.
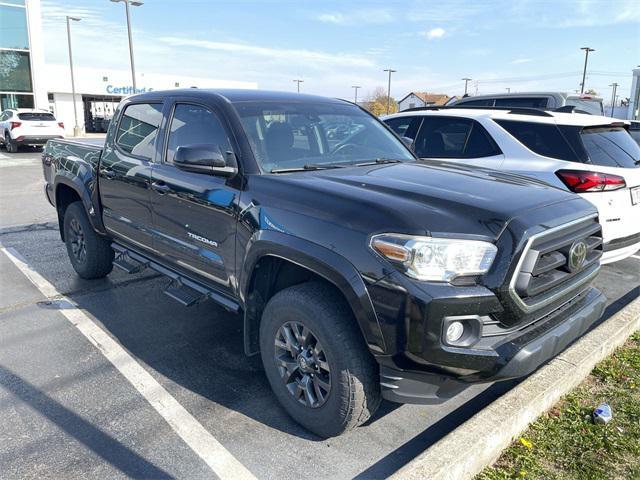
(620, 248)
(519, 356)
(35, 139)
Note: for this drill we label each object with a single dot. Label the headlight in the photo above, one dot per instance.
(435, 259)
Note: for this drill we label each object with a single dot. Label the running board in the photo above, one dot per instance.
(182, 289)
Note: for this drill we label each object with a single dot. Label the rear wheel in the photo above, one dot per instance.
(11, 145)
(91, 255)
(316, 360)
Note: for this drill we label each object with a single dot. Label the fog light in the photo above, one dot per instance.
(455, 330)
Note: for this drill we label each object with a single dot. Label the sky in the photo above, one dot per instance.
(522, 45)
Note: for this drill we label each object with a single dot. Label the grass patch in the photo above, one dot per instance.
(565, 444)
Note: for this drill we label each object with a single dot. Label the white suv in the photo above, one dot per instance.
(28, 127)
(590, 155)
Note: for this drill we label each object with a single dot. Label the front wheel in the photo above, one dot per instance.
(316, 360)
(91, 255)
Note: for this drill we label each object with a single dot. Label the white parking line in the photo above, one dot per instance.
(218, 458)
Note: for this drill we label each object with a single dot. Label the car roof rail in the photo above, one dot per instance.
(514, 110)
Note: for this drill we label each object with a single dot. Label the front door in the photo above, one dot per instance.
(125, 174)
(194, 214)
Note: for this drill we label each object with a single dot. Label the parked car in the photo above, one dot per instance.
(28, 127)
(634, 130)
(359, 271)
(591, 155)
(582, 103)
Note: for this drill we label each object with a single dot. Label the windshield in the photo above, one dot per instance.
(295, 135)
(611, 146)
(592, 106)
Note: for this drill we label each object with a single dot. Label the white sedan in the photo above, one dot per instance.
(590, 155)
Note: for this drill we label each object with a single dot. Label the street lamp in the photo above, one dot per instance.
(299, 82)
(613, 96)
(466, 82)
(134, 3)
(584, 72)
(356, 87)
(389, 89)
(76, 127)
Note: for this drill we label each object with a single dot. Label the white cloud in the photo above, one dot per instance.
(519, 61)
(435, 33)
(309, 58)
(372, 16)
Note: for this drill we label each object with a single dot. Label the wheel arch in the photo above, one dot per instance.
(275, 261)
(69, 190)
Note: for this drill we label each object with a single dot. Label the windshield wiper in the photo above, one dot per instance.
(307, 167)
(378, 161)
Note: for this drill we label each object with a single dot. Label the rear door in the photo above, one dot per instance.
(457, 139)
(125, 173)
(194, 214)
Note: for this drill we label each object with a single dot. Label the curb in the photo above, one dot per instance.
(477, 443)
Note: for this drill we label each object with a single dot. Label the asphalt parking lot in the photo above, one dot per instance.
(69, 413)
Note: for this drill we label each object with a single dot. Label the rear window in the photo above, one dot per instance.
(593, 107)
(487, 102)
(611, 147)
(542, 138)
(528, 102)
(37, 116)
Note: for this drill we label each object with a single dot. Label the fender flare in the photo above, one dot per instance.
(76, 184)
(321, 261)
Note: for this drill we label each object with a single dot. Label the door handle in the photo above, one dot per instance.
(108, 173)
(160, 187)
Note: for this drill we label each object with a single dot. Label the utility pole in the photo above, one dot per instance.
(466, 82)
(298, 82)
(584, 72)
(613, 96)
(76, 127)
(133, 3)
(389, 89)
(355, 99)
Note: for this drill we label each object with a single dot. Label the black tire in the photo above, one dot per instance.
(91, 255)
(11, 145)
(353, 395)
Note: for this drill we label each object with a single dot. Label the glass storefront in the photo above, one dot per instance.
(16, 84)
(13, 30)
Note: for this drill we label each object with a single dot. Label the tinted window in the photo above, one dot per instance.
(38, 116)
(593, 107)
(450, 137)
(292, 135)
(193, 125)
(541, 138)
(611, 147)
(138, 129)
(15, 71)
(404, 126)
(487, 102)
(13, 33)
(529, 102)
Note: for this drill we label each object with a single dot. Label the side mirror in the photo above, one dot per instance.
(407, 141)
(205, 158)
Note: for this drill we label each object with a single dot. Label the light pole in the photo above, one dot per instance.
(466, 82)
(76, 127)
(613, 96)
(584, 72)
(389, 89)
(299, 82)
(134, 3)
(355, 99)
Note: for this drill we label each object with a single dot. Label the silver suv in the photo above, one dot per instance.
(582, 103)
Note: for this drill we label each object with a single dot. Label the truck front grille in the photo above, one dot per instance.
(557, 263)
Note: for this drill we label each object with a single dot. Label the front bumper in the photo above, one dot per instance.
(518, 355)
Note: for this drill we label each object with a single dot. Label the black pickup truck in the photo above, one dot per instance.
(360, 273)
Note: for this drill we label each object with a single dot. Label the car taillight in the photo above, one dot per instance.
(61, 124)
(15, 125)
(580, 181)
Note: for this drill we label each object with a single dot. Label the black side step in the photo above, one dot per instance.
(182, 289)
(187, 296)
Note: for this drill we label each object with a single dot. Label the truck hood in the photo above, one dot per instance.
(418, 198)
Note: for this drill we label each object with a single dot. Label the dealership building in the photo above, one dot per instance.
(26, 81)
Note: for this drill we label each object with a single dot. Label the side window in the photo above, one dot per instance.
(542, 138)
(529, 102)
(451, 137)
(404, 126)
(487, 102)
(138, 129)
(192, 125)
